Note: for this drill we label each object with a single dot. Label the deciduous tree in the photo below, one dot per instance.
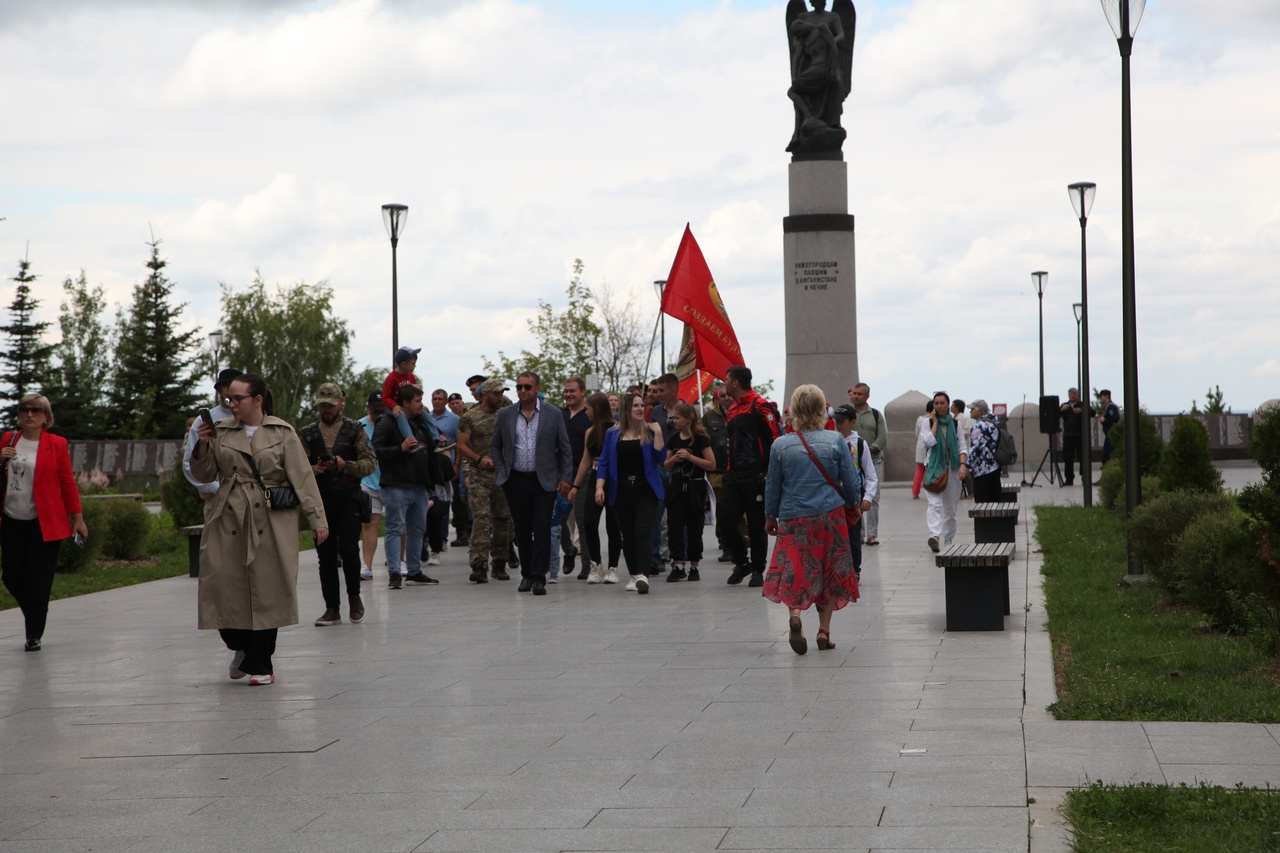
(79, 384)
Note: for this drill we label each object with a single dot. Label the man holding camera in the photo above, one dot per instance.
(340, 455)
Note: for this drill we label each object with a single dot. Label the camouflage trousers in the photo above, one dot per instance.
(490, 520)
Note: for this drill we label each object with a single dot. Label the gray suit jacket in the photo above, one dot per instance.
(553, 459)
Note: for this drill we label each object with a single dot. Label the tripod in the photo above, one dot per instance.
(1050, 456)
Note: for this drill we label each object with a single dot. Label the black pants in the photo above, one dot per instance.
(531, 507)
(589, 528)
(343, 515)
(1071, 453)
(437, 525)
(686, 516)
(855, 541)
(27, 562)
(986, 489)
(744, 494)
(636, 506)
(258, 647)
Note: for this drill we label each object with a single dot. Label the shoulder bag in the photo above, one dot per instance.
(940, 483)
(278, 497)
(851, 515)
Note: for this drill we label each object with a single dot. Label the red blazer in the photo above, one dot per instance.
(56, 493)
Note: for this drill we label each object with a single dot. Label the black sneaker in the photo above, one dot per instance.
(479, 576)
(395, 583)
(677, 574)
(32, 645)
(500, 571)
(757, 579)
(422, 579)
(568, 562)
(585, 573)
(724, 557)
(740, 574)
(693, 575)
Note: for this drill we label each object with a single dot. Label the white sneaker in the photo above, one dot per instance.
(234, 670)
(611, 576)
(259, 680)
(434, 561)
(631, 584)
(642, 585)
(597, 573)
(366, 574)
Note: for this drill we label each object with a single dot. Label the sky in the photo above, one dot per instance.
(522, 134)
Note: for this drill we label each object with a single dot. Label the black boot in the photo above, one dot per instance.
(500, 571)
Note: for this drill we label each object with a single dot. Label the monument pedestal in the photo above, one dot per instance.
(820, 293)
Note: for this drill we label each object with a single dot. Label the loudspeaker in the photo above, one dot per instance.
(1050, 416)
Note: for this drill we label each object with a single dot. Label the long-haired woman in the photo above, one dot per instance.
(583, 495)
(810, 484)
(689, 458)
(41, 508)
(628, 476)
(249, 551)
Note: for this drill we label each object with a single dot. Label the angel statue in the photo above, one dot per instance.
(821, 61)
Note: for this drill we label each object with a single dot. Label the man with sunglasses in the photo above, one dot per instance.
(208, 491)
(532, 461)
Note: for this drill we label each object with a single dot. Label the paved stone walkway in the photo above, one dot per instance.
(464, 718)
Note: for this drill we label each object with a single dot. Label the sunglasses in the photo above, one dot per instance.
(524, 387)
(30, 410)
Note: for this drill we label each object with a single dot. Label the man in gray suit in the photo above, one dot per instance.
(532, 462)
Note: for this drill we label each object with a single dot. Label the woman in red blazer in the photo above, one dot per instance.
(41, 508)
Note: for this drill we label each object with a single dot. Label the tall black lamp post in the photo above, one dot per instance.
(659, 287)
(1123, 16)
(1082, 194)
(1075, 308)
(394, 216)
(1039, 278)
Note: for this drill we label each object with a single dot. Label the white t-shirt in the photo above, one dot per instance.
(249, 431)
(20, 501)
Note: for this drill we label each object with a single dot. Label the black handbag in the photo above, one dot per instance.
(278, 497)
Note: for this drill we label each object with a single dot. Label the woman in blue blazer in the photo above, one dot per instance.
(628, 477)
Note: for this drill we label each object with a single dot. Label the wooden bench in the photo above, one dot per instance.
(994, 522)
(1009, 491)
(108, 497)
(977, 580)
(193, 534)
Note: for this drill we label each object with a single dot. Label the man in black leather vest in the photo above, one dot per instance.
(340, 456)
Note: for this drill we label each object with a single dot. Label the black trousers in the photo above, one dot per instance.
(27, 562)
(743, 494)
(437, 525)
(636, 508)
(1071, 452)
(589, 528)
(686, 516)
(343, 515)
(986, 489)
(258, 647)
(531, 507)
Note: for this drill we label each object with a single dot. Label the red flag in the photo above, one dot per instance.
(690, 296)
(693, 369)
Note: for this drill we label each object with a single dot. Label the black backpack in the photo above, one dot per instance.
(1006, 449)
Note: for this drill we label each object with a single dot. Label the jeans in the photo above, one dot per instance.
(406, 518)
(403, 423)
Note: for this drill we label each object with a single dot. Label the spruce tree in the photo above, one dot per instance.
(151, 392)
(24, 363)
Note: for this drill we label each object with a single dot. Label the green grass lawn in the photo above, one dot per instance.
(1123, 653)
(109, 575)
(1149, 818)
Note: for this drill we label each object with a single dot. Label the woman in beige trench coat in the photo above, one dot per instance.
(249, 553)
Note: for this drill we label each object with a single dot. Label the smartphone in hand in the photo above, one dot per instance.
(206, 417)
(79, 538)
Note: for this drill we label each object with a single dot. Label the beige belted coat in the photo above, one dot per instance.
(248, 553)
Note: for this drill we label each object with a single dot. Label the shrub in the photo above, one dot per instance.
(1150, 489)
(181, 500)
(1185, 463)
(1156, 526)
(1265, 444)
(1150, 444)
(72, 557)
(1261, 501)
(1223, 578)
(125, 527)
(1111, 483)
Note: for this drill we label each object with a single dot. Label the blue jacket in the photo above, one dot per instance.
(607, 466)
(795, 488)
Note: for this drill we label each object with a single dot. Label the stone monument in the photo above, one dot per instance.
(820, 298)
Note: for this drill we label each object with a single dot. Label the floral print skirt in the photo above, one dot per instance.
(812, 563)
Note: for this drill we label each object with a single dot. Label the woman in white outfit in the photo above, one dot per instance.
(948, 448)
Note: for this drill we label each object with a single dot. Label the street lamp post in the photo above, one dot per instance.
(394, 216)
(1075, 308)
(659, 287)
(215, 345)
(1124, 16)
(1082, 193)
(1039, 279)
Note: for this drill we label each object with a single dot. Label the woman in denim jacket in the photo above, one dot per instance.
(811, 481)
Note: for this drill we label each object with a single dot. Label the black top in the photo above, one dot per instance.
(695, 445)
(630, 459)
(578, 426)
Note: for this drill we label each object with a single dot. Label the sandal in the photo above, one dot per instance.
(799, 644)
(824, 641)
(871, 540)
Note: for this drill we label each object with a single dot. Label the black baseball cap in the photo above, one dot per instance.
(375, 399)
(845, 412)
(227, 376)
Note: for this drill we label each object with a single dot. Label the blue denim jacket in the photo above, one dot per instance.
(795, 488)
